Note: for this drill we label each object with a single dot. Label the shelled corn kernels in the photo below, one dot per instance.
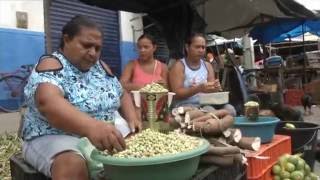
(151, 143)
(153, 88)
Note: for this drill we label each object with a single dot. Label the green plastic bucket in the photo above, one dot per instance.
(180, 166)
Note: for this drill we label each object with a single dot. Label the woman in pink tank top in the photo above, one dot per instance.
(145, 69)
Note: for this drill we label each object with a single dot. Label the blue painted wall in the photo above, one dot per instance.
(18, 47)
(128, 52)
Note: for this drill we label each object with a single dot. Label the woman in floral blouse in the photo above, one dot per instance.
(72, 94)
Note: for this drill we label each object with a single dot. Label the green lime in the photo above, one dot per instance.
(313, 176)
(307, 178)
(283, 159)
(290, 167)
(300, 165)
(297, 175)
(307, 169)
(284, 174)
(276, 169)
(293, 159)
(289, 126)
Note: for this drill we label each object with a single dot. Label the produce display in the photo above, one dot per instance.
(251, 110)
(251, 104)
(289, 126)
(227, 144)
(292, 167)
(151, 143)
(9, 145)
(153, 88)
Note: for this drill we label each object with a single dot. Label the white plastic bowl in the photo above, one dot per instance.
(217, 98)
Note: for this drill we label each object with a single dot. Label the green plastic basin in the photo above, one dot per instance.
(180, 166)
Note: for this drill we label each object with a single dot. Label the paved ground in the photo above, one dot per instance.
(9, 122)
(314, 118)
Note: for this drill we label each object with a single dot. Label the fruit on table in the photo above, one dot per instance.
(297, 175)
(276, 169)
(293, 159)
(284, 174)
(289, 126)
(292, 167)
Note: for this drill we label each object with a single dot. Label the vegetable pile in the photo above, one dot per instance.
(151, 143)
(226, 143)
(292, 167)
(153, 88)
(9, 145)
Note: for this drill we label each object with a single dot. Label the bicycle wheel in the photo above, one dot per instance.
(11, 96)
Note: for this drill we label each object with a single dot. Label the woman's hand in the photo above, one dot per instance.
(135, 125)
(210, 87)
(217, 85)
(162, 82)
(105, 136)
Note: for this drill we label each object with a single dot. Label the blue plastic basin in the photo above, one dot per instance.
(263, 127)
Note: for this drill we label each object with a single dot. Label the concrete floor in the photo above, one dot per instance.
(9, 122)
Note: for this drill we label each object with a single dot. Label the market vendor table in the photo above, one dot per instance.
(20, 170)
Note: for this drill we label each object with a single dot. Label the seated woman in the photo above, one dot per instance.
(146, 69)
(192, 75)
(72, 94)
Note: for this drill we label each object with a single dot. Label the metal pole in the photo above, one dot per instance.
(304, 54)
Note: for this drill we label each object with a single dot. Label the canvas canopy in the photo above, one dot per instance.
(230, 18)
(281, 29)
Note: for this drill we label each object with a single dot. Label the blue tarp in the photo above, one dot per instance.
(280, 29)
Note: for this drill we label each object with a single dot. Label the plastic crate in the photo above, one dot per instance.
(292, 97)
(260, 163)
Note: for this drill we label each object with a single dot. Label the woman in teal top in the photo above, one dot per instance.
(72, 94)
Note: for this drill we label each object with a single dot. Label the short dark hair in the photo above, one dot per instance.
(194, 35)
(148, 36)
(72, 28)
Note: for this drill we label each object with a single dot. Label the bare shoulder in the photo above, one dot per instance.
(207, 63)
(177, 66)
(49, 64)
(106, 67)
(164, 66)
(130, 65)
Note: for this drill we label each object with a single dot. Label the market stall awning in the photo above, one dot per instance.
(281, 29)
(231, 18)
(235, 18)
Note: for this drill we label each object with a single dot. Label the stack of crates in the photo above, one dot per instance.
(260, 163)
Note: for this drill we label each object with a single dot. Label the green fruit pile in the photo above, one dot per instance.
(292, 167)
